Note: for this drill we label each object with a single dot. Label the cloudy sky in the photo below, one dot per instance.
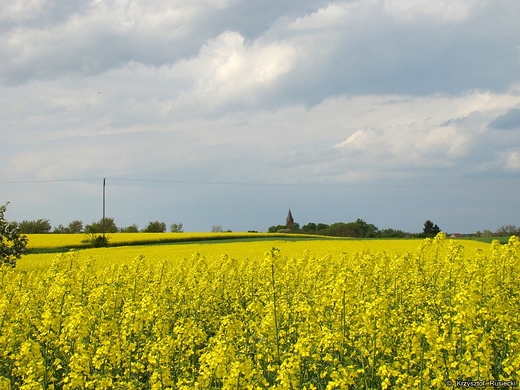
(229, 112)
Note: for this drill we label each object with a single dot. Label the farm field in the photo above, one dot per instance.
(208, 244)
(277, 314)
(75, 241)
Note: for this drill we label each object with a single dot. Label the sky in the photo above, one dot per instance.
(230, 112)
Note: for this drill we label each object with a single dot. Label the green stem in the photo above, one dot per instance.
(374, 341)
(343, 326)
(422, 362)
(275, 315)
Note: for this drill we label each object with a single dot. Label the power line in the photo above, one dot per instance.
(250, 184)
(321, 184)
(47, 181)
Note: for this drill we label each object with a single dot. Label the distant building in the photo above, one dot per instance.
(289, 221)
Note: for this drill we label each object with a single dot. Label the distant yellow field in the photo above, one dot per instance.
(214, 249)
(74, 240)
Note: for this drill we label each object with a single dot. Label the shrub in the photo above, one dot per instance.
(12, 243)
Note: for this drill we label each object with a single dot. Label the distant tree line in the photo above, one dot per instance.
(361, 229)
(358, 229)
(502, 231)
(107, 225)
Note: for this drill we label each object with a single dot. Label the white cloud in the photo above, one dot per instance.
(330, 17)
(360, 140)
(102, 36)
(513, 161)
(444, 142)
(229, 70)
(420, 11)
(402, 136)
(18, 11)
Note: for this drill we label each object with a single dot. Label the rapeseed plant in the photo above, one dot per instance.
(333, 316)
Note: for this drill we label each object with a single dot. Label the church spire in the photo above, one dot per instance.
(289, 220)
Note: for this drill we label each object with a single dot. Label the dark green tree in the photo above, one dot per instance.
(295, 227)
(155, 227)
(340, 229)
(60, 229)
(106, 226)
(39, 226)
(276, 228)
(309, 228)
(392, 233)
(12, 242)
(176, 227)
(320, 227)
(363, 229)
(430, 229)
(75, 227)
(130, 229)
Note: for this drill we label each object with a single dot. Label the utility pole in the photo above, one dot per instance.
(103, 221)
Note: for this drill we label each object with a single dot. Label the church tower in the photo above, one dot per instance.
(289, 220)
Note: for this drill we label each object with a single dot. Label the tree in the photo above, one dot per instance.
(392, 233)
(12, 243)
(295, 227)
(176, 228)
(507, 230)
(320, 227)
(75, 227)
(40, 226)
(130, 229)
(309, 228)
(363, 229)
(430, 230)
(340, 229)
(60, 229)
(97, 227)
(487, 233)
(155, 227)
(276, 228)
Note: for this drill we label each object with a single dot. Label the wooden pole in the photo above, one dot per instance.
(103, 221)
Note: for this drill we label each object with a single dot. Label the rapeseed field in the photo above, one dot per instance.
(76, 240)
(263, 315)
(50, 241)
